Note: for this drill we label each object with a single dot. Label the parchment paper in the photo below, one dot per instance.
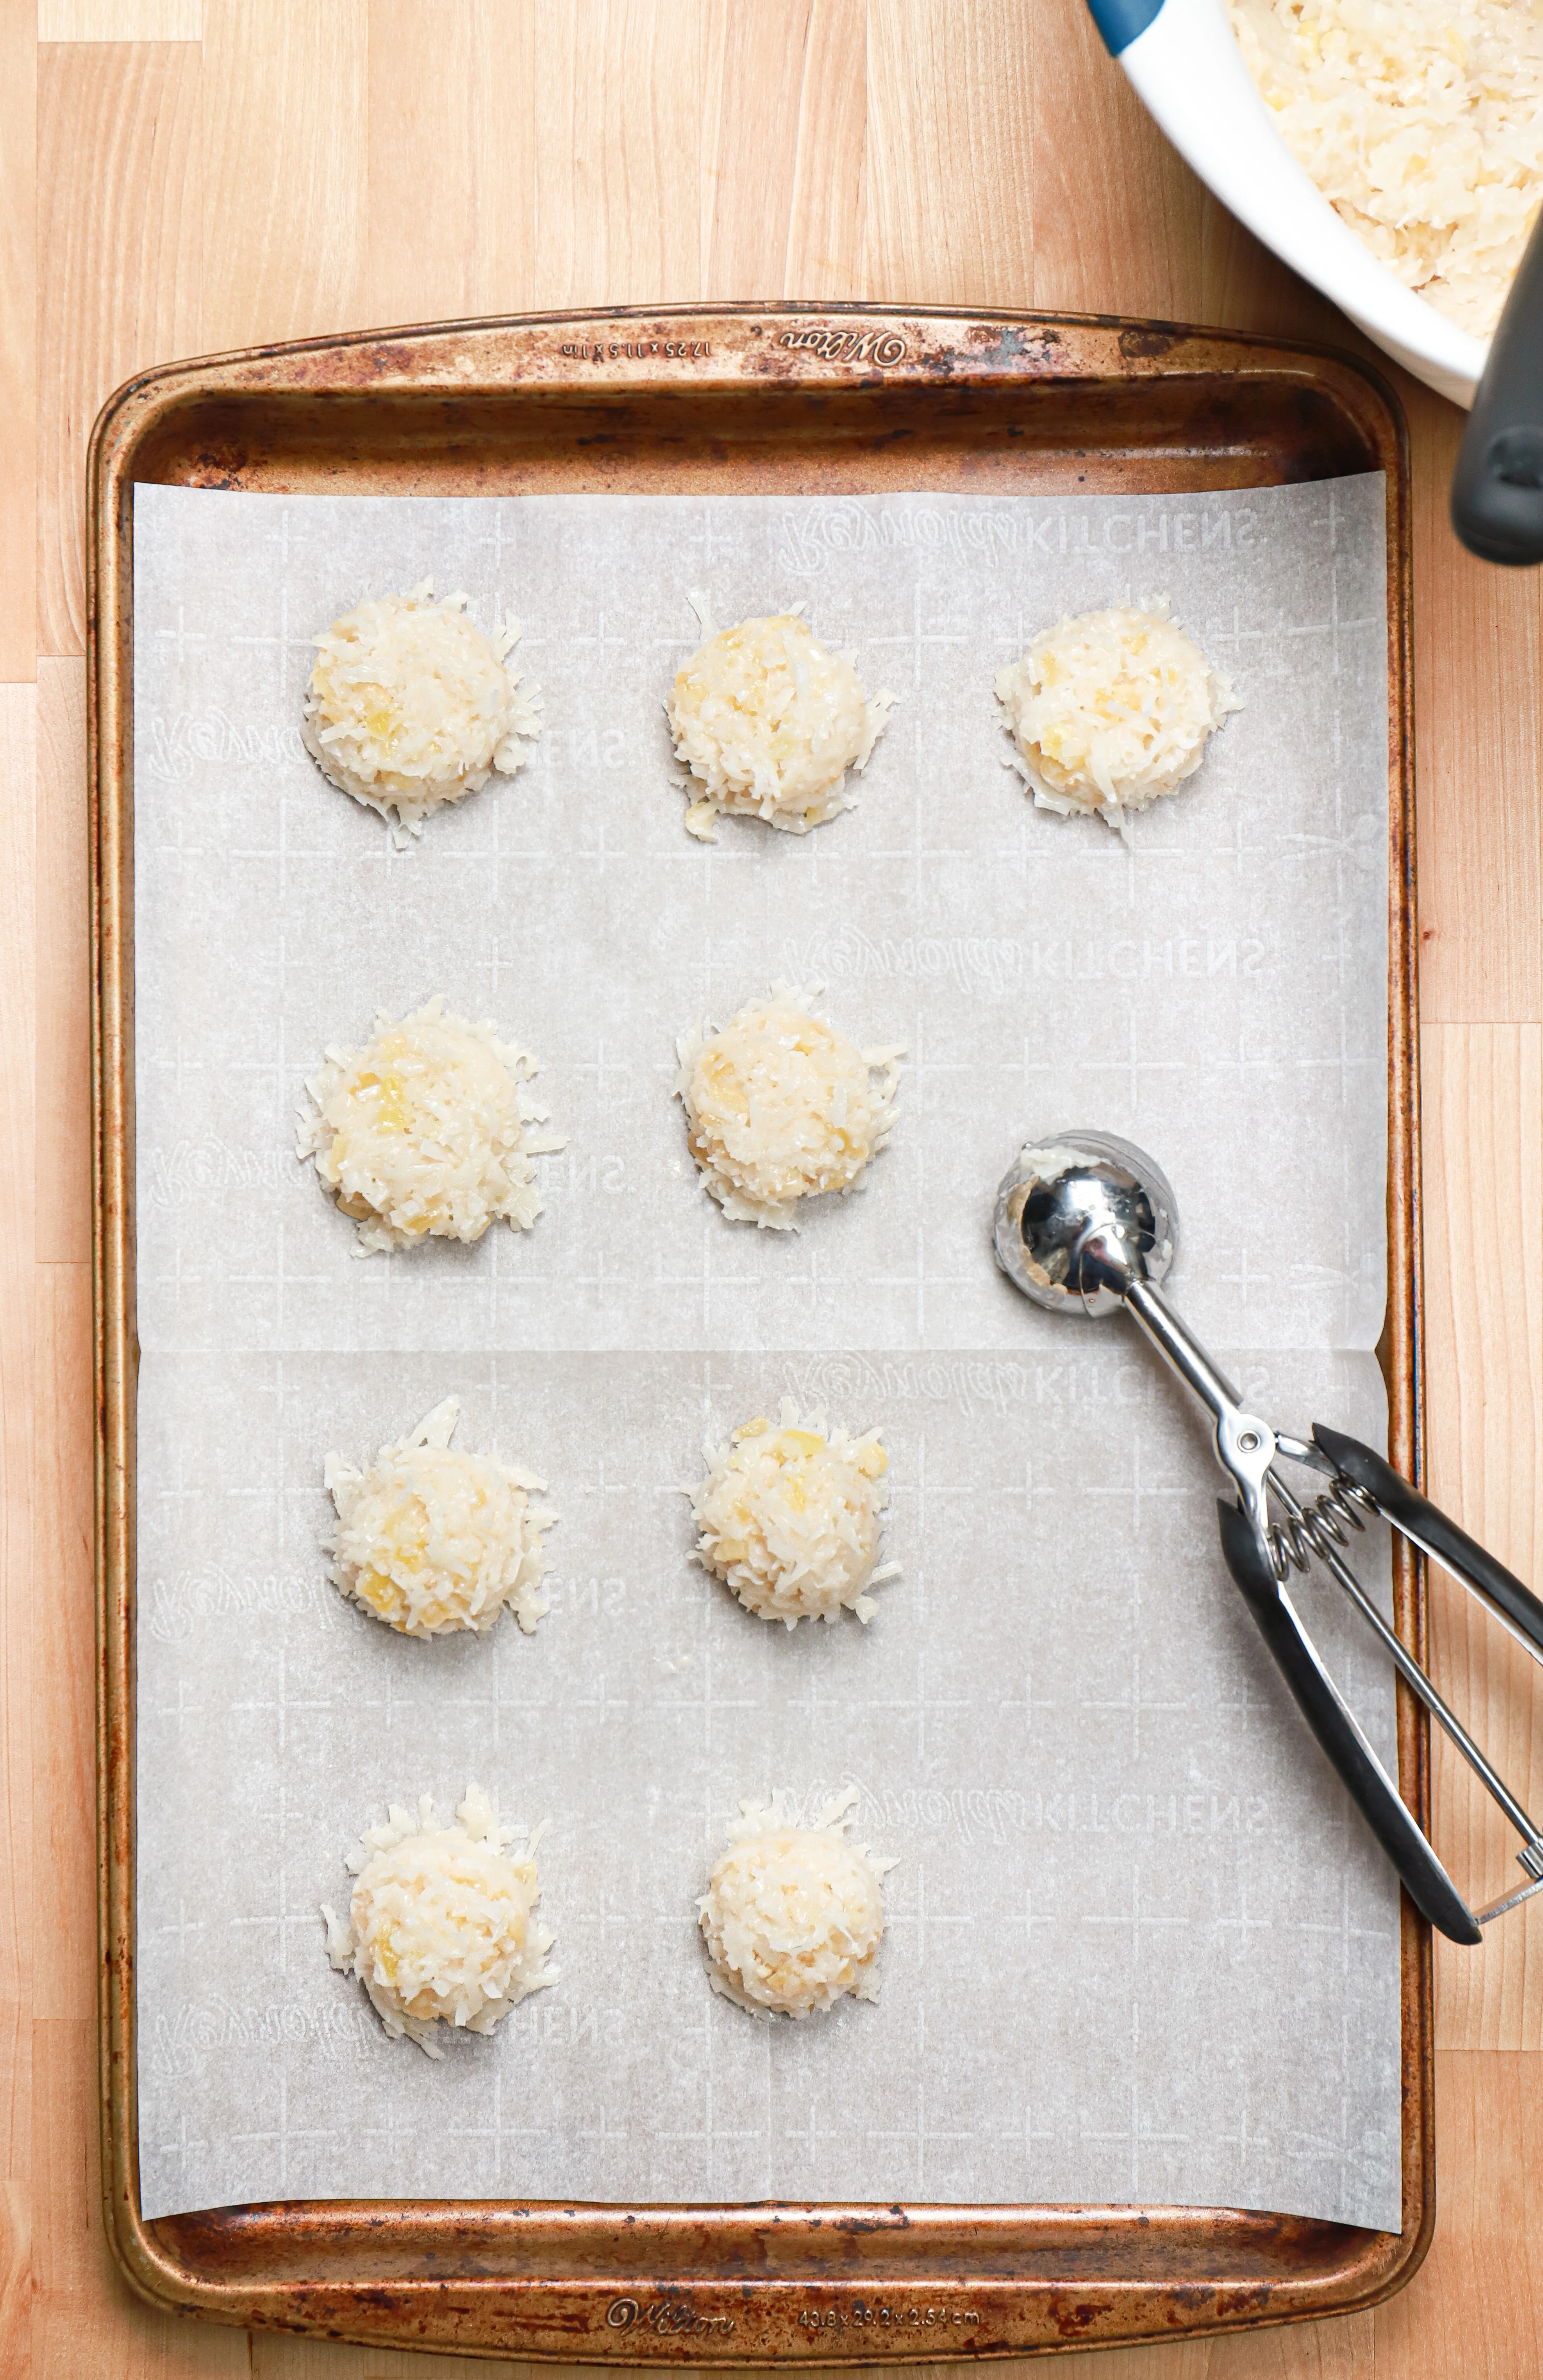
(1141, 1946)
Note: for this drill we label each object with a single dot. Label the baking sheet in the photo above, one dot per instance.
(1140, 1948)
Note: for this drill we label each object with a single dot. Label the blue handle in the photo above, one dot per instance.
(1119, 22)
(1497, 489)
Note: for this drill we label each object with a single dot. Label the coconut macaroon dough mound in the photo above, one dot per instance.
(1110, 709)
(411, 706)
(770, 721)
(426, 1133)
(441, 1926)
(781, 1107)
(793, 1914)
(432, 1540)
(789, 1515)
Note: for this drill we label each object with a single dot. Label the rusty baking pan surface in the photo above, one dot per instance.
(737, 400)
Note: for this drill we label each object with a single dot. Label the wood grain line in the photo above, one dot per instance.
(87, 2326)
(751, 137)
(1479, 645)
(823, 253)
(1463, 2311)
(121, 289)
(120, 20)
(65, 1774)
(19, 336)
(19, 1609)
(461, 239)
(62, 978)
(942, 224)
(285, 160)
(620, 94)
(1483, 1123)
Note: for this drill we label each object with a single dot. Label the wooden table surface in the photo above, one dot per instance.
(186, 175)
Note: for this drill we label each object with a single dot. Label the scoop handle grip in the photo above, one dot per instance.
(1415, 1517)
(1497, 488)
(1332, 1721)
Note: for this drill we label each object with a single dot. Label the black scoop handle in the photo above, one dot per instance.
(1368, 1782)
(1497, 489)
(1428, 1528)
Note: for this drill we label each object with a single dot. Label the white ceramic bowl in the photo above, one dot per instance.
(1183, 60)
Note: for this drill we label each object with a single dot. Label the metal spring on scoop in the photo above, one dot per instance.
(1293, 1543)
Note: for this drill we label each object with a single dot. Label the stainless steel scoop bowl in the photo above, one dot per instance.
(1081, 1216)
(1087, 1224)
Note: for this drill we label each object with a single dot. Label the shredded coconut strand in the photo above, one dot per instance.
(430, 1541)
(770, 720)
(1110, 709)
(441, 1928)
(1421, 121)
(780, 1107)
(425, 1133)
(411, 706)
(789, 1516)
(793, 1914)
